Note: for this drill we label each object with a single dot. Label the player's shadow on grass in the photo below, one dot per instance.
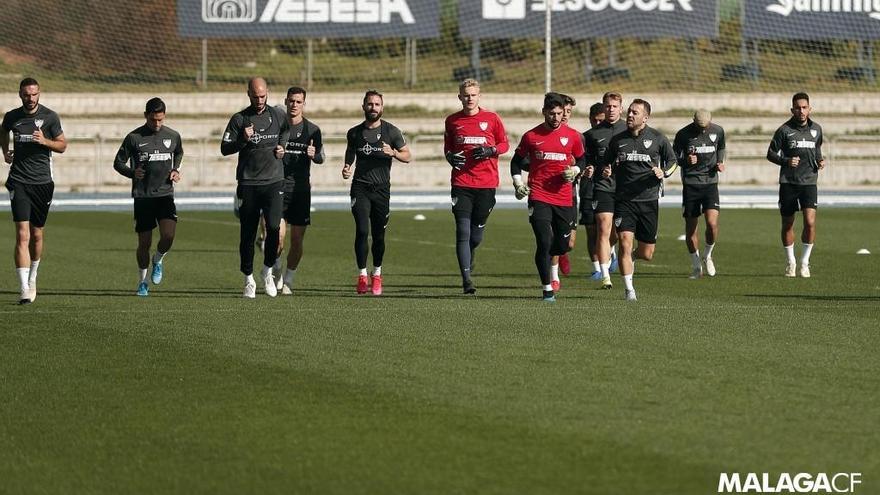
(814, 297)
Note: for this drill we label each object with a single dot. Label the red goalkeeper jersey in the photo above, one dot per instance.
(549, 152)
(466, 132)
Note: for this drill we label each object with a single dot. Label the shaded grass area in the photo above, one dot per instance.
(427, 391)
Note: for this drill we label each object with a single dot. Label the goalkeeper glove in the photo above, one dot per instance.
(484, 152)
(571, 173)
(455, 159)
(520, 190)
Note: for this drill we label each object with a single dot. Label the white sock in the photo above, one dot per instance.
(695, 260)
(709, 248)
(597, 266)
(605, 267)
(628, 282)
(23, 276)
(143, 273)
(805, 256)
(548, 288)
(32, 277)
(377, 271)
(266, 271)
(554, 272)
(158, 257)
(362, 272)
(249, 279)
(288, 277)
(789, 253)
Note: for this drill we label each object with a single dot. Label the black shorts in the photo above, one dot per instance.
(697, 198)
(794, 197)
(473, 203)
(561, 218)
(30, 202)
(602, 202)
(297, 206)
(639, 217)
(149, 211)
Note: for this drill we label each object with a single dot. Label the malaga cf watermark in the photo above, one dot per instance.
(789, 483)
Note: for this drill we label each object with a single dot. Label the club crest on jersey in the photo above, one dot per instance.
(648, 143)
(713, 137)
(484, 126)
(166, 142)
(563, 140)
(814, 132)
(39, 123)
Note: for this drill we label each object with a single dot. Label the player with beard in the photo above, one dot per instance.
(473, 139)
(797, 149)
(258, 134)
(150, 156)
(641, 157)
(305, 147)
(554, 155)
(36, 132)
(371, 147)
(601, 206)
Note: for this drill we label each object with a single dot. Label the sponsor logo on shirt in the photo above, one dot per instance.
(704, 149)
(786, 7)
(803, 143)
(160, 157)
(367, 149)
(472, 139)
(635, 156)
(551, 157)
(257, 137)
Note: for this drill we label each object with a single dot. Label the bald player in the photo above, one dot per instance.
(700, 149)
(258, 134)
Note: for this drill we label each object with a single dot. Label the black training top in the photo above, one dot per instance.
(709, 146)
(596, 142)
(32, 162)
(365, 146)
(297, 164)
(257, 164)
(633, 157)
(157, 152)
(805, 142)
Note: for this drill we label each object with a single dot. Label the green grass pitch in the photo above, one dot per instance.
(426, 391)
